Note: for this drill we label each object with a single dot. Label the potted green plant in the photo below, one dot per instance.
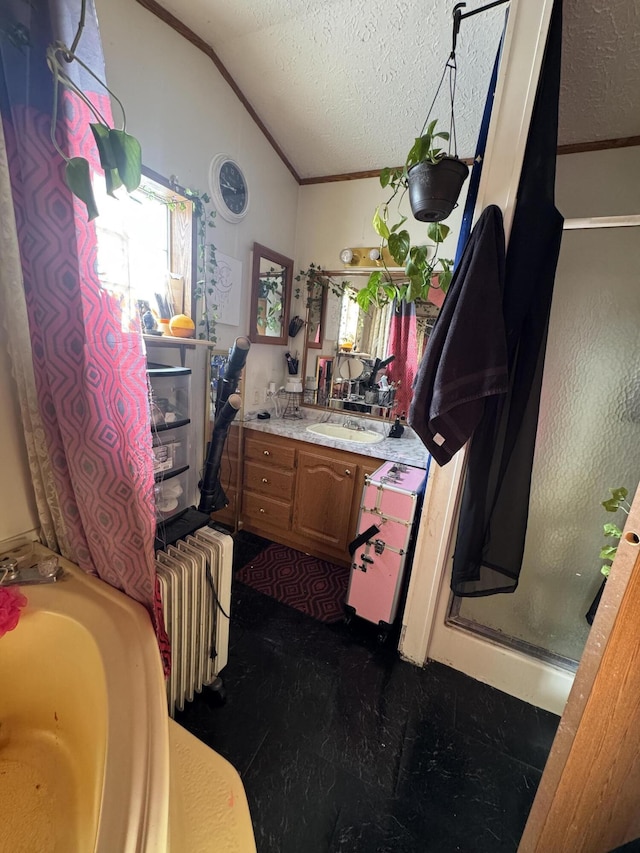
(120, 153)
(423, 269)
(433, 176)
(617, 501)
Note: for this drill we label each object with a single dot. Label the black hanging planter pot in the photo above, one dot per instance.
(434, 188)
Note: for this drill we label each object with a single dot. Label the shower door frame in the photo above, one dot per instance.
(425, 634)
(454, 618)
(528, 672)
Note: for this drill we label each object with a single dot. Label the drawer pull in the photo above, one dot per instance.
(347, 471)
(264, 480)
(261, 510)
(266, 453)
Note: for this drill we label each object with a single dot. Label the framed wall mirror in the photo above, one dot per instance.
(357, 371)
(271, 279)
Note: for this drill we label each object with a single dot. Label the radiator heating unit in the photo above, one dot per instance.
(195, 585)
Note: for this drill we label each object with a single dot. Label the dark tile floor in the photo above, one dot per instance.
(344, 748)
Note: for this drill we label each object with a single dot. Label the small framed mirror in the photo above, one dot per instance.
(317, 306)
(271, 281)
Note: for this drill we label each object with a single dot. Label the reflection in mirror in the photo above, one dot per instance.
(316, 305)
(270, 294)
(374, 356)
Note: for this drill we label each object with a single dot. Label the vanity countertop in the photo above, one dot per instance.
(408, 449)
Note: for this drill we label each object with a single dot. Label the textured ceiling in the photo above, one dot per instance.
(343, 86)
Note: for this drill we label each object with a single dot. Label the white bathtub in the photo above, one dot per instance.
(84, 745)
(89, 760)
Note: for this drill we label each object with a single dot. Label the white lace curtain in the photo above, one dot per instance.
(13, 311)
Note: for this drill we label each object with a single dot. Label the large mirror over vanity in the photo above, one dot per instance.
(367, 358)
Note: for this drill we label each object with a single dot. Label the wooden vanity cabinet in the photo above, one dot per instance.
(268, 483)
(324, 495)
(302, 495)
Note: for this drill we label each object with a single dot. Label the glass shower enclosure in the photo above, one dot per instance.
(588, 441)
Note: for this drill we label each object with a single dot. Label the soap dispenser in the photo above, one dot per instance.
(397, 428)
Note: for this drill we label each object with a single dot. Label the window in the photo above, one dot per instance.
(145, 249)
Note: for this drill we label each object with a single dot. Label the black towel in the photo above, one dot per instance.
(465, 360)
(495, 501)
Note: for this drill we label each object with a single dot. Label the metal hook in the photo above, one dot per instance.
(457, 19)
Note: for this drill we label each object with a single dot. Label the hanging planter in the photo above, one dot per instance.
(434, 176)
(434, 188)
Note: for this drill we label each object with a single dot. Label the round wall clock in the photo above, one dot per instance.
(229, 188)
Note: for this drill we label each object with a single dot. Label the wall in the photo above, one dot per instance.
(335, 216)
(184, 113)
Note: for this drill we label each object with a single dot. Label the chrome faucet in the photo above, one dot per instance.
(350, 423)
(45, 570)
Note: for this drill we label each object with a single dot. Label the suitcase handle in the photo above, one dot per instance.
(362, 538)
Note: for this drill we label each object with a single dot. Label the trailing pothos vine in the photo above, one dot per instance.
(316, 277)
(617, 501)
(421, 272)
(207, 264)
(120, 153)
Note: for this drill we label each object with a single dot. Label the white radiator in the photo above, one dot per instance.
(196, 617)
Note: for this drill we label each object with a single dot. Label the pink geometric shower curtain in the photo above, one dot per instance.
(89, 363)
(403, 343)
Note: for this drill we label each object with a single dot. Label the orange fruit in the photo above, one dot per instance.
(182, 326)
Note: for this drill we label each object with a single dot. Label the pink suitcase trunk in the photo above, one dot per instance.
(390, 499)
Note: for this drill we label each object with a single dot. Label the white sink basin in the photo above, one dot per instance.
(358, 436)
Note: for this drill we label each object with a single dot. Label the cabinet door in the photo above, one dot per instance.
(323, 499)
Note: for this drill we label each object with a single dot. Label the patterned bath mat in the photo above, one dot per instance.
(315, 587)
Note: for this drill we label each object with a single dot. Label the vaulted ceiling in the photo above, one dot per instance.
(343, 85)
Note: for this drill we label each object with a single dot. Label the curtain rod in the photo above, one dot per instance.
(624, 221)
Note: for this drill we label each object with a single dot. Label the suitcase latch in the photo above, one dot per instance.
(365, 559)
(378, 546)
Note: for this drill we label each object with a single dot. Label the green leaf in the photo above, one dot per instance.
(385, 177)
(444, 280)
(380, 226)
(437, 231)
(414, 290)
(612, 505)
(363, 298)
(608, 552)
(78, 178)
(101, 135)
(411, 269)
(128, 156)
(605, 570)
(619, 494)
(390, 291)
(112, 180)
(399, 245)
(374, 280)
(612, 530)
(419, 150)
